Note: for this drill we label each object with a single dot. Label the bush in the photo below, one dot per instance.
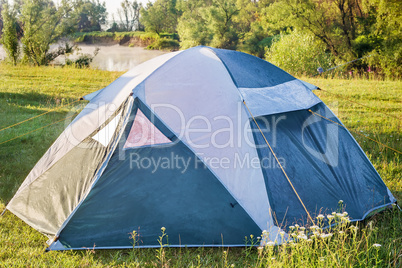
(165, 44)
(93, 37)
(299, 54)
(83, 60)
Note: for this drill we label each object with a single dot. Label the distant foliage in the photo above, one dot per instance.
(193, 25)
(9, 37)
(214, 23)
(344, 29)
(165, 44)
(129, 14)
(84, 60)
(160, 16)
(43, 24)
(299, 54)
(90, 15)
(387, 57)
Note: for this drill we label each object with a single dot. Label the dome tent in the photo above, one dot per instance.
(213, 145)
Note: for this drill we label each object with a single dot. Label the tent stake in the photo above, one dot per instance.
(4, 211)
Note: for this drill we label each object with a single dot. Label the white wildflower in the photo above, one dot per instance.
(270, 243)
(320, 216)
(314, 227)
(282, 233)
(376, 245)
(258, 237)
(302, 236)
(302, 228)
(297, 226)
(326, 235)
(163, 229)
(330, 217)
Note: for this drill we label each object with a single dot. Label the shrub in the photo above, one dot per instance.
(83, 60)
(299, 54)
(165, 44)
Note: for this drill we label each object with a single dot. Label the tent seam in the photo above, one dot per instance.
(105, 162)
(252, 218)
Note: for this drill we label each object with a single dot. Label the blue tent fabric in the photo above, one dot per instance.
(349, 176)
(189, 202)
(251, 72)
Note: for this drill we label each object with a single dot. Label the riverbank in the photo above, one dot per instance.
(152, 41)
(110, 57)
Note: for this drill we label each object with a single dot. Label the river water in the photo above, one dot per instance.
(111, 58)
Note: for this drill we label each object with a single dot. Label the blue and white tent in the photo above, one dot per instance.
(214, 145)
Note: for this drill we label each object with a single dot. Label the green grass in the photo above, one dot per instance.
(29, 91)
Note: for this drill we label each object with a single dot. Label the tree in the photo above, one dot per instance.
(334, 22)
(43, 24)
(9, 37)
(160, 16)
(90, 15)
(193, 25)
(2, 2)
(210, 23)
(388, 29)
(129, 14)
(223, 25)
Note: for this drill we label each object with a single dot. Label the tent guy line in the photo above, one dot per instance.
(279, 163)
(356, 132)
(19, 136)
(31, 118)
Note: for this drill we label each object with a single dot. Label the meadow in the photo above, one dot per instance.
(26, 92)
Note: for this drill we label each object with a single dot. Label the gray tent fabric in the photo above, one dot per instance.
(50, 199)
(180, 142)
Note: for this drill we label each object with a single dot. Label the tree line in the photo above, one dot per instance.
(297, 35)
